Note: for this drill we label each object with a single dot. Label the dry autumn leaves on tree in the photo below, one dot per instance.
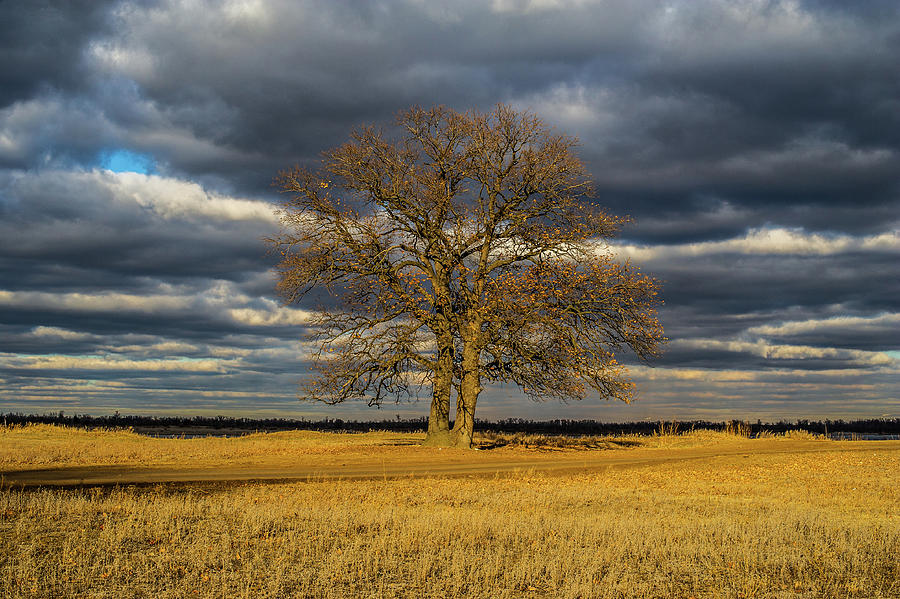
(458, 250)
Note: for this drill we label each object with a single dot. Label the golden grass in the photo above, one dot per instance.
(45, 445)
(824, 524)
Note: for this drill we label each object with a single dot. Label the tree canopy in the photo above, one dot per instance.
(460, 249)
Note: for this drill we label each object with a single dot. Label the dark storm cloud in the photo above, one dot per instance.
(830, 325)
(86, 229)
(778, 298)
(42, 43)
(196, 315)
(746, 104)
(879, 332)
(761, 355)
(741, 283)
(755, 143)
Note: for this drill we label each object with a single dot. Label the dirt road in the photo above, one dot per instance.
(415, 462)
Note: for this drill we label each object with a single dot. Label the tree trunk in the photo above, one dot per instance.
(469, 389)
(464, 428)
(438, 434)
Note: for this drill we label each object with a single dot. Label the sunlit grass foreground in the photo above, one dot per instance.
(824, 524)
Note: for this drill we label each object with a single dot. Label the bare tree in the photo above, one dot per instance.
(463, 249)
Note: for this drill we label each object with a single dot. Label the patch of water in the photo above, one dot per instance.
(840, 436)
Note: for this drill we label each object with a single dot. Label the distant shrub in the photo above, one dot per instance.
(667, 429)
(738, 428)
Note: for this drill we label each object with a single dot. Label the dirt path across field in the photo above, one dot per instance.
(415, 462)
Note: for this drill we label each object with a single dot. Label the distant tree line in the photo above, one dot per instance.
(216, 424)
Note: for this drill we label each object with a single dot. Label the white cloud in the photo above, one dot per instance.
(137, 63)
(222, 299)
(55, 332)
(110, 363)
(800, 327)
(271, 317)
(93, 302)
(164, 347)
(770, 351)
(175, 199)
(769, 241)
(829, 378)
(532, 6)
(692, 374)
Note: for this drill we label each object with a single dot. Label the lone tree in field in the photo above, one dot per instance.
(459, 250)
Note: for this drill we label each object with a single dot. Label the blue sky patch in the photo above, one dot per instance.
(126, 161)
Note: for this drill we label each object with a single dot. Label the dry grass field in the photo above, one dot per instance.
(779, 517)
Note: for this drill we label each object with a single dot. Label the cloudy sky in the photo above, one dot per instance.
(755, 143)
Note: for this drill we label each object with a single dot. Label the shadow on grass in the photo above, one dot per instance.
(491, 440)
(401, 442)
(488, 441)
